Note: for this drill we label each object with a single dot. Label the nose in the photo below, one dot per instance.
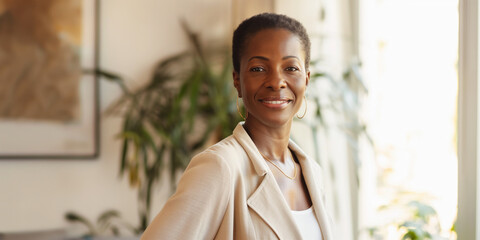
(276, 80)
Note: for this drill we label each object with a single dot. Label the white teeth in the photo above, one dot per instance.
(274, 102)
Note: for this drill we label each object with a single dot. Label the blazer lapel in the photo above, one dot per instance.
(314, 186)
(267, 200)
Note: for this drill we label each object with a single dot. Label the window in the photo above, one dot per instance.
(409, 51)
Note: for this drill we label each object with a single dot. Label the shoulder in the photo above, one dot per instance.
(214, 169)
(222, 156)
(211, 171)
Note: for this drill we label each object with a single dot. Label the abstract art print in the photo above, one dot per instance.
(48, 104)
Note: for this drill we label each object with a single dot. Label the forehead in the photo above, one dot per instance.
(274, 42)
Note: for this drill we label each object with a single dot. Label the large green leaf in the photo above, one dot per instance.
(123, 156)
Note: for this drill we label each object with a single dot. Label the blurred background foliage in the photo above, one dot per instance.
(188, 102)
(408, 217)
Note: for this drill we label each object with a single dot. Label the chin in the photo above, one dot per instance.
(276, 122)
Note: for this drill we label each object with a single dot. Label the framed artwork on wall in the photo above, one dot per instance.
(48, 102)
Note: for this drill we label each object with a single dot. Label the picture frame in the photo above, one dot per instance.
(30, 138)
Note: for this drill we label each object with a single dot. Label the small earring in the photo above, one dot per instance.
(239, 112)
(306, 106)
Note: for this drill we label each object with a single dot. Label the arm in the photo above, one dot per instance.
(196, 209)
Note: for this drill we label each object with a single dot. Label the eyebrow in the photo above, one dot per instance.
(286, 57)
(265, 58)
(259, 57)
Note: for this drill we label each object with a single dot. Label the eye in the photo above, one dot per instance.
(257, 69)
(292, 69)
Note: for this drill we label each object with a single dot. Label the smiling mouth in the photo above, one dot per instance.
(275, 103)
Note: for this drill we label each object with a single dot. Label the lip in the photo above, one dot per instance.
(275, 102)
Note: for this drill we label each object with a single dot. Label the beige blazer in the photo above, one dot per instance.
(228, 192)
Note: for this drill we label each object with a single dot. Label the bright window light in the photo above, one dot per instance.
(410, 53)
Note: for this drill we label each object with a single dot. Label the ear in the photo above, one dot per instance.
(308, 78)
(236, 83)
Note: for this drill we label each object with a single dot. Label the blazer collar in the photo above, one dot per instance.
(267, 200)
(314, 186)
(251, 149)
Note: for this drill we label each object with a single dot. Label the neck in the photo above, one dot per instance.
(271, 141)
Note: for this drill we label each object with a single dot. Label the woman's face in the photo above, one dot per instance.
(272, 78)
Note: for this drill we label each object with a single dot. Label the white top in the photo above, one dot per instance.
(307, 224)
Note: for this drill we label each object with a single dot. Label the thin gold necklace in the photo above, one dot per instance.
(294, 167)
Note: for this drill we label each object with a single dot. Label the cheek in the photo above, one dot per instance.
(249, 85)
(248, 92)
(299, 86)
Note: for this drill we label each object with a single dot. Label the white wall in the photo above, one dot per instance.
(35, 194)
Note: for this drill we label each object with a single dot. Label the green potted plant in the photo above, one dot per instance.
(188, 100)
(184, 95)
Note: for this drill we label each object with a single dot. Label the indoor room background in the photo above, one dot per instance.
(382, 116)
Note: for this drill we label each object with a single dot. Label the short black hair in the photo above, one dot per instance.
(252, 25)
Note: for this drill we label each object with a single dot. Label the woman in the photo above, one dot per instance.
(256, 183)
